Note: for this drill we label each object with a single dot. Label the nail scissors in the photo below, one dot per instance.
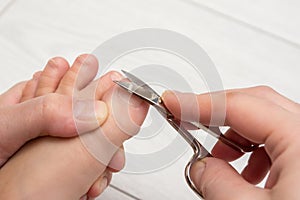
(142, 90)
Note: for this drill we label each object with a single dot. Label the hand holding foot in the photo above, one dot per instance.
(45, 160)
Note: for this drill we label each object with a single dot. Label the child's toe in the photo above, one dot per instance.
(82, 72)
(51, 76)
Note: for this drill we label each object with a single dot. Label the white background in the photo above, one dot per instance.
(252, 42)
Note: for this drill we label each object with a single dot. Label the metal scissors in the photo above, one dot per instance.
(142, 90)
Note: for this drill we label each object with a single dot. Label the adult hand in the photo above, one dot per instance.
(256, 116)
(83, 174)
(21, 122)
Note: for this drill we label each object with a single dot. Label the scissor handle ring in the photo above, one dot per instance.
(188, 179)
(199, 153)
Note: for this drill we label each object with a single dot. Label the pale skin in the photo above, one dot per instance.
(255, 115)
(56, 167)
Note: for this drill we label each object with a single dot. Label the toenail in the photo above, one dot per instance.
(36, 75)
(81, 59)
(52, 63)
(116, 76)
(87, 59)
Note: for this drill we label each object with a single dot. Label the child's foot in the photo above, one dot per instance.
(63, 168)
(58, 77)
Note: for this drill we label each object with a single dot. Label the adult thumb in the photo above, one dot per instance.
(215, 179)
(52, 114)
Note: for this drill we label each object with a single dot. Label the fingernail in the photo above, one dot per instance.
(170, 94)
(89, 110)
(116, 76)
(198, 169)
(166, 94)
(103, 184)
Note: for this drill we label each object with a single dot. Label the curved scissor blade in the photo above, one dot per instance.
(139, 91)
(139, 82)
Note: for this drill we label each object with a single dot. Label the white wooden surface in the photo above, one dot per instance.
(251, 43)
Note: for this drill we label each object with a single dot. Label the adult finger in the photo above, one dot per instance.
(51, 114)
(216, 179)
(270, 94)
(258, 166)
(225, 152)
(249, 116)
